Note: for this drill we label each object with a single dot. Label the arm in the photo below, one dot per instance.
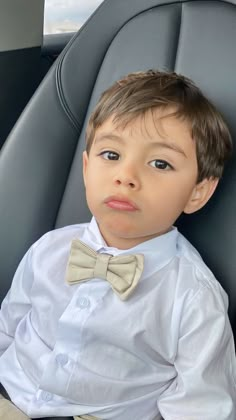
(16, 303)
(205, 385)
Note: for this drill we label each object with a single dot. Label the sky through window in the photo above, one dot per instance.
(67, 15)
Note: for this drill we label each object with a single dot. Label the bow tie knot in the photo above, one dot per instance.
(101, 265)
(122, 272)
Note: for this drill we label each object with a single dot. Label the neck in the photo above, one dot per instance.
(124, 243)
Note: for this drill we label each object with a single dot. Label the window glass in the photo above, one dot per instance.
(67, 15)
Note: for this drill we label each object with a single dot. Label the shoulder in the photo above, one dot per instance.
(195, 276)
(59, 238)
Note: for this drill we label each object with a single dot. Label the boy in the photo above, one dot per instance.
(120, 318)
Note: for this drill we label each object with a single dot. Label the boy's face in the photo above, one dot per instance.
(141, 177)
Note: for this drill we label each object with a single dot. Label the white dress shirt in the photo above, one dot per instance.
(78, 349)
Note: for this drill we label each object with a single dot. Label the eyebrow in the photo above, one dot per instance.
(108, 136)
(163, 145)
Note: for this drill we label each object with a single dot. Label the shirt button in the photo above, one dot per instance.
(61, 359)
(83, 302)
(46, 396)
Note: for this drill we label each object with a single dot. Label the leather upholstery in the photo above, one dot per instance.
(41, 184)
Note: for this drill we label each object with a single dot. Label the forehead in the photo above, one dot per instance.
(151, 125)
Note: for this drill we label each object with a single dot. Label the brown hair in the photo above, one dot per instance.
(140, 92)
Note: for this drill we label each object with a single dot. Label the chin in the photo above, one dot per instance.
(122, 232)
(118, 228)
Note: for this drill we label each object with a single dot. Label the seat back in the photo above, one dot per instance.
(41, 184)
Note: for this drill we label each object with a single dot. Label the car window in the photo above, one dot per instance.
(67, 15)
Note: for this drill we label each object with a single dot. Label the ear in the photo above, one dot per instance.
(201, 193)
(85, 165)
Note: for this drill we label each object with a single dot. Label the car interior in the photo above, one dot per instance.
(41, 184)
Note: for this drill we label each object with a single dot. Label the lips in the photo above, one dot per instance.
(121, 203)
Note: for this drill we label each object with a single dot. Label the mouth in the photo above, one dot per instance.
(121, 203)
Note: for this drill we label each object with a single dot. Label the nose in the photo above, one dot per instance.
(128, 177)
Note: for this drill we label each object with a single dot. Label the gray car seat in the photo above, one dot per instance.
(41, 185)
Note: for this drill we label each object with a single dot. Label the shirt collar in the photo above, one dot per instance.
(157, 251)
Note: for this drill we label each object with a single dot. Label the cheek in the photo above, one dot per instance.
(91, 200)
(179, 198)
(94, 191)
(89, 178)
(170, 198)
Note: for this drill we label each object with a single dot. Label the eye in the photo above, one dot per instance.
(109, 155)
(161, 164)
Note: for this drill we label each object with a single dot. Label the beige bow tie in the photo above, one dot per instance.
(122, 272)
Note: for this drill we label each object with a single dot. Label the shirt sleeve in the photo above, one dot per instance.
(16, 303)
(205, 384)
